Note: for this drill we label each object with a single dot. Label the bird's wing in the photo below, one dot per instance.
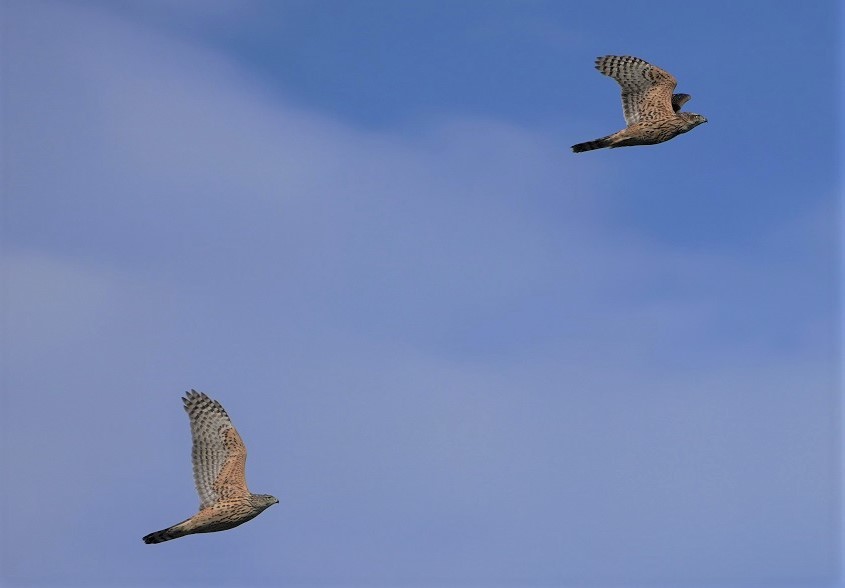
(646, 89)
(678, 100)
(218, 453)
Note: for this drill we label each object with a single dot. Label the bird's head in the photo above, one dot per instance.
(263, 501)
(693, 119)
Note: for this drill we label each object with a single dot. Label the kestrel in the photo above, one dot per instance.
(651, 111)
(219, 457)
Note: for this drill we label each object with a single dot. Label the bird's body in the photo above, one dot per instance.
(219, 458)
(219, 517)
(652, 111)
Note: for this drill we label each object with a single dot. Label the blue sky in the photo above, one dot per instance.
(458, 353)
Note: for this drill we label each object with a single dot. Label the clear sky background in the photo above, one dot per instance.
(458, 353)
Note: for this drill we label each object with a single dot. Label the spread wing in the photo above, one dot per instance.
(218, 454)
(646, 89)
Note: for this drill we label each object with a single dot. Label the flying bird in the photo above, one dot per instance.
(219, 458)
(652, 113)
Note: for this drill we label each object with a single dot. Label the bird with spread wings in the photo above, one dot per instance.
(219, 459)
(652, 112)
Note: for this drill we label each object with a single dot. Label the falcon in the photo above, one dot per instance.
(219, 458)
(652, 112)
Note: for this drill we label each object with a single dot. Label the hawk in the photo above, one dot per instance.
(219, 457)
(652, 113)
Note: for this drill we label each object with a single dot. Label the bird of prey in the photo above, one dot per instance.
(652, 113)
(219, 458)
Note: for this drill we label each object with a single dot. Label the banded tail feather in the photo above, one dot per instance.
(590, 145)
(167, 534)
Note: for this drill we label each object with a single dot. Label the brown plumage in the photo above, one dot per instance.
(652, 112)
(219, 459)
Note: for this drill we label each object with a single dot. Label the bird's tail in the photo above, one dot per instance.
(590, 145)
(167, 534)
